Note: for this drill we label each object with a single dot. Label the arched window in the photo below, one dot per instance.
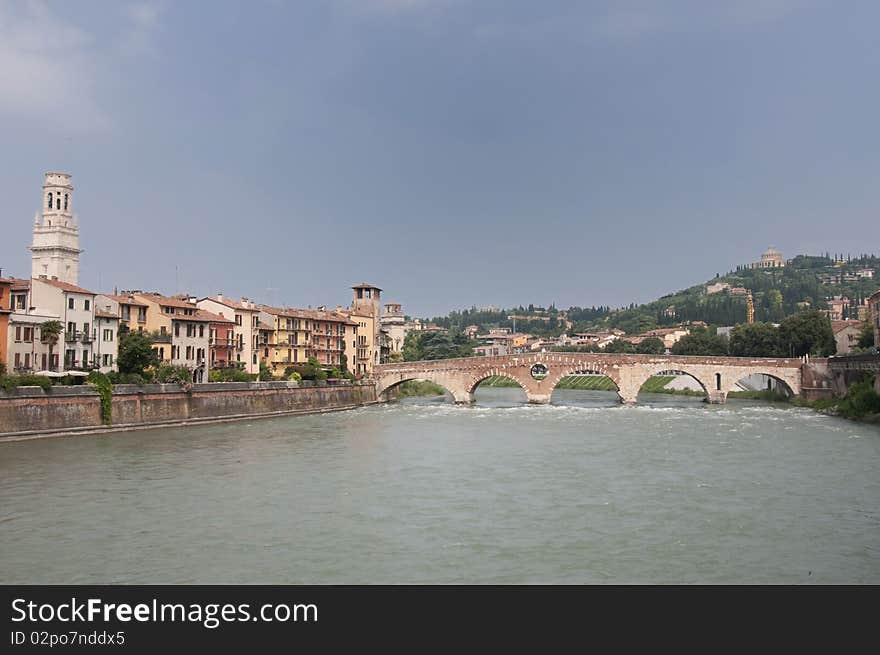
(65, 202)
(50, 200)
(58, 202)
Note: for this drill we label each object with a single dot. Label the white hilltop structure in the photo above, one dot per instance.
(55, 248)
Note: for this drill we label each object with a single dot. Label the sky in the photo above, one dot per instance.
(452, 152)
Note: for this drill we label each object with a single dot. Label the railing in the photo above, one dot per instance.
(71, 337)
(160, 338)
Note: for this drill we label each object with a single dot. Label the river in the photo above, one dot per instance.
(422, 491)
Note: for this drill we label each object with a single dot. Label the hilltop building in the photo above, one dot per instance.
(770, 258)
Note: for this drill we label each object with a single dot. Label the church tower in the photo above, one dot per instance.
(55, 247)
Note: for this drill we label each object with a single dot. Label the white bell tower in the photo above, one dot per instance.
(55, 248)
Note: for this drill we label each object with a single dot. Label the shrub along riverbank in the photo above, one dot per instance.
(861, 403)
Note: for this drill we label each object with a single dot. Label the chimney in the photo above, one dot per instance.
(244, 301)
(115, 291)
(220, 297)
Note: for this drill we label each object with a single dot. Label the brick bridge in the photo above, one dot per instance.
(717, 375)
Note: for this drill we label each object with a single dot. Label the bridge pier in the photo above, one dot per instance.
(463, 397)
(538, 398)
(717, 397)
(628, 397)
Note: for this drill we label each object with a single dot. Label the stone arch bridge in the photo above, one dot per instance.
(539, 373)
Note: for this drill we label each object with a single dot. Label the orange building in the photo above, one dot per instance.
(5, 311)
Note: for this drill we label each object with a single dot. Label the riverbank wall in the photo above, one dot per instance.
(29, 411)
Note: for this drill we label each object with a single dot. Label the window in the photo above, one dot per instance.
(86, 304)
(126, 312)
(142, 314)
(201, 331)
(65, 202)
(105, 360)
(176, 329)
(29, 334)
(71, 329)
(70, 303)
(238, 319)
(27, 360)
(50, 200)
(58, 202)
(17, 360)
(18, 333)
(108, 335)
(86, 330)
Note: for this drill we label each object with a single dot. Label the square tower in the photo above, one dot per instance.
(55, 247)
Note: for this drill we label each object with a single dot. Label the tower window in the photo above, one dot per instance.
(65, 202)
(50, 200)
(58, 202)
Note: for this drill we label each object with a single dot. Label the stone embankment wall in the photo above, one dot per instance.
(31, 411)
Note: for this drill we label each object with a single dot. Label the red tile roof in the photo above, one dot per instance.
(204, 315)
(235, 304)
(100, 313)
(65, 286)
(126, 300)
(166, 301)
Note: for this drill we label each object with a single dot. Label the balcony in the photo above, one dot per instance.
(71, 337)
(86, 338)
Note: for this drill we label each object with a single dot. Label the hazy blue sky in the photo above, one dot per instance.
(453, 152)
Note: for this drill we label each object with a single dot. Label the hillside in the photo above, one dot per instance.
(806, 282)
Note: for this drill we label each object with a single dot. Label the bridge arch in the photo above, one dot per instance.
(450, 382)
(638, 376)
(781, 383)
(485, 375)
(590, 375)
(705, 387)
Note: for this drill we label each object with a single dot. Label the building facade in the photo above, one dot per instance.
(75, 308)
(5, 311)
(246, 318)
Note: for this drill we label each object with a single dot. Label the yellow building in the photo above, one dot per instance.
(360, 348)
(289, 341)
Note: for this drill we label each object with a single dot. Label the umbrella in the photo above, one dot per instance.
(80, 374)
(50, 374)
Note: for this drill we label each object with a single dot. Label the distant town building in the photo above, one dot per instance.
(838, 308)
(874, 304)
(718, 287)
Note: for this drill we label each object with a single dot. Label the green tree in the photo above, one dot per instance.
(619, 346)
(700, 343)
(807, 333)
(651, 346)
(50, 331)
(135, 353)
(755, 340)
(435, 345)
(866, 336)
